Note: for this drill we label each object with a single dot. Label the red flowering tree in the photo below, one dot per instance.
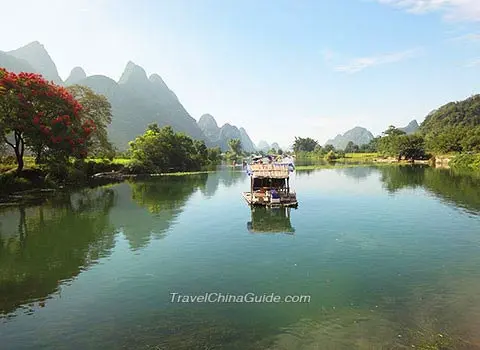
(42, 116)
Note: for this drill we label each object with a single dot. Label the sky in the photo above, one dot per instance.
(278, 68)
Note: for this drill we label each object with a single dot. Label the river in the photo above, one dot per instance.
(388, 258)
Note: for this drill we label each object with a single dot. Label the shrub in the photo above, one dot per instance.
(466, 161)
(330, 156)
(137, 167)
(10, 182)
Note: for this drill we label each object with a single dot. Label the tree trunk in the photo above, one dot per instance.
(19, 162)
(19, 150)
(38, 156)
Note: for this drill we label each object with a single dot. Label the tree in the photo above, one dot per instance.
(397, 144)
(351, 148)
(328, 148)
(393, 131)
(454, 127)
(411, 147)
(41, 115)
(330, 156)
(214, 155)
(162, 149)
(304, 144)
(318, 149)
(235, 146)
(389, 144)
(97, 108)
(370, 147)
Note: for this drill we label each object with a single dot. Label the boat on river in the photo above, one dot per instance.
(270, 183)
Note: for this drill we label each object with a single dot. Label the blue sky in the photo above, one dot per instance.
(278, 68)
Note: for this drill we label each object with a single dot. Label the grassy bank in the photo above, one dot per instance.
(468, 162)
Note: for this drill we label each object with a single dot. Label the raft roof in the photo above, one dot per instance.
(271, 171)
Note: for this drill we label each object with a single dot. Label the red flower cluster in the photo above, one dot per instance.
(65, 119)
(44, 111)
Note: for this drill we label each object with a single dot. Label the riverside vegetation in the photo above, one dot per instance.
(57, 136)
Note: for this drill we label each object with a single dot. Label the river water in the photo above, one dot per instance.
(383, 257)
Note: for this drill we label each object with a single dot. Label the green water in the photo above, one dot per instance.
(389, 256)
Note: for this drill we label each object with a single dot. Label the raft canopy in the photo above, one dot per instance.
(271, 171)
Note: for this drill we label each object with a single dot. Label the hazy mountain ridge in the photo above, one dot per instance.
(137, 100)
(14, 64)
(411, 128)
(358, 135)
(263, 146)
(275, 146)
(219, 136)
(77, 74)
(36, 55)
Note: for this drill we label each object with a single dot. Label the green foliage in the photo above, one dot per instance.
(328, 148)
(135, 166)
(352, 148)
(97, 108)
(371, 147)
(235, 146)
(466, 162)
(411, 147)
(163, 150)
(454, 127)
(396, 143)
(304, 144)
(330, 156)
(393, 131)
(11, 182)
(214, 155)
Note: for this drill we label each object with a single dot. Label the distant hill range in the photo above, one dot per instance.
(137, 100)
(264, 146)
(357, 135)
(219, 136)
(411, 128)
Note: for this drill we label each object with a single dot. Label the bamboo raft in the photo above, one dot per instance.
(269, 186)
(266, 202)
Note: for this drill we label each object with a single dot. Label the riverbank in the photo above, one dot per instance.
(33, 182)
(90, 173)
(351, 160)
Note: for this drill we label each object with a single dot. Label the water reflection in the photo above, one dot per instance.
(270, 220)
(226, 176)
(395, 178)
(451, 187)
(357, 173)
(42, 246)
(147, 209)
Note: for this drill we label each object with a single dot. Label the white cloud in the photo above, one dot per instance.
(468, 37)
(455, 10)
(474, 63)
(358, 64)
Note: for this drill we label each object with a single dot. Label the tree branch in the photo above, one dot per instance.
(8, 142)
